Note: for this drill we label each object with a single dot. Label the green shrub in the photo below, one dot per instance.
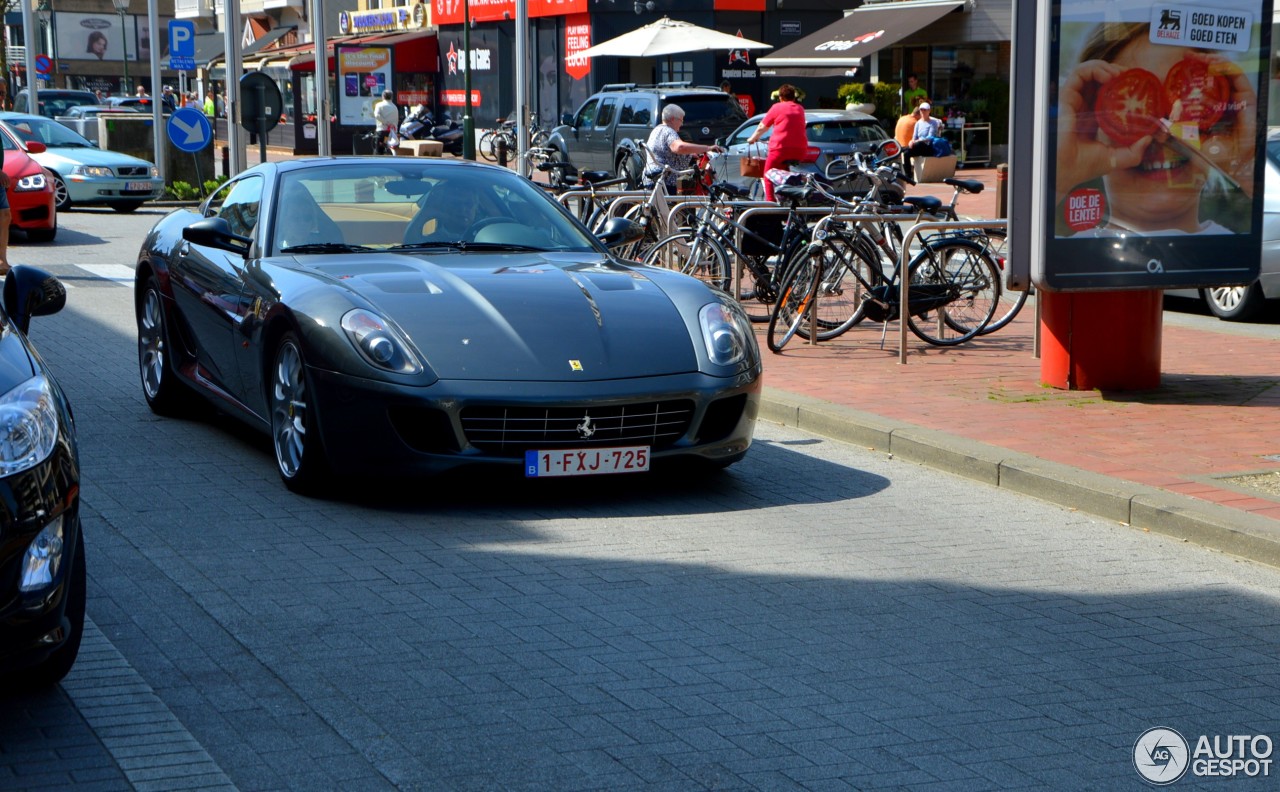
(211, 185)
(888, 102)
(182, 191)
(852, 93)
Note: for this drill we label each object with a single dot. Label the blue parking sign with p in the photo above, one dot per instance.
(182, 44)
(182, 38)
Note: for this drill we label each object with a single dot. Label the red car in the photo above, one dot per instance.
(31, 198)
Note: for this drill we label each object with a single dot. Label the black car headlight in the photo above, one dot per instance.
(727, 333)
(379, 342)
(28, 426)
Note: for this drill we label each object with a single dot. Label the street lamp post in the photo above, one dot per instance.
(121, 7)
(46, 23)
(468, 120)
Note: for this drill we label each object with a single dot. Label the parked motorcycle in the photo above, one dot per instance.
(420, 124)
(418, 119)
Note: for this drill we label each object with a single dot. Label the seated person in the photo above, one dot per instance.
(303, 222)
(446, 214)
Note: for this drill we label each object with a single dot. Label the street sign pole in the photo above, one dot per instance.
(157, 103)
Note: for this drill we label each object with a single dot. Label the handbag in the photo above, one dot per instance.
(751, 166)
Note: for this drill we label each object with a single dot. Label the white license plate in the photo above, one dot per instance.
(131, 186)
(586, 461)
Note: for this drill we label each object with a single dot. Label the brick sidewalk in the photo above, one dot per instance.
(1213, 415)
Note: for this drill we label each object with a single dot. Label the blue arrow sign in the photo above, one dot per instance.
(189, 129)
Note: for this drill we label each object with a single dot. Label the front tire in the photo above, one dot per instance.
(295, 433)
(1235, 303)
(61, 198)
(42, 234)
(164, 392)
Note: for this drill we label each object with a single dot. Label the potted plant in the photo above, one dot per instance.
(854, 96)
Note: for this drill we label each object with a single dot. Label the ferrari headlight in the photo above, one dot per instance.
(727, 333)
(43, 558)
(35, 181)
(379, 342)
(28, 426)
(96, 171)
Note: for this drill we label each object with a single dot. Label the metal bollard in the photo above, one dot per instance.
(1002, 191)
(502, 151)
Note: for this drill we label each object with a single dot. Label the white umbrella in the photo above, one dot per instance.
(668, 37)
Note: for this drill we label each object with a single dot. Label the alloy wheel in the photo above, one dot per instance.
(151, 347)
(289, 409)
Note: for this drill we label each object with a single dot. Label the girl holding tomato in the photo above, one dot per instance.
(1155, 122)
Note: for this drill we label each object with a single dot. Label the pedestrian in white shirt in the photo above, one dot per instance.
(386, 118)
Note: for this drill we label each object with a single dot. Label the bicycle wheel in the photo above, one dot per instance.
(756, 290)
(795, 295)
(955, 287)
(1011, 302)
(850, 269)
(487, 145)
(693, 254)
(642, 215)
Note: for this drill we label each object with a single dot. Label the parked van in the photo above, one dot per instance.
(54, 101)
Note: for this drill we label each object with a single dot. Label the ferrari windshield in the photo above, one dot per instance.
(410, 205)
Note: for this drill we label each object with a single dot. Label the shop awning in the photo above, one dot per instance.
(837, 49)
(271, 37)
(209, 47)
(417, 51)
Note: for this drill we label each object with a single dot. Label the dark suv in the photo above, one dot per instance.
(605, 133)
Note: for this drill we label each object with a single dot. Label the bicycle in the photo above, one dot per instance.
(952, 278)
(704, 246)
(995, 240)
(652, 214)
(489, 142)
(377, 143)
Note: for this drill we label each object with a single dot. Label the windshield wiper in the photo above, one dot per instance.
(427, 246)
(327, 247)
(464, 246)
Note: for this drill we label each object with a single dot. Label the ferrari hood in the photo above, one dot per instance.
(541, 317)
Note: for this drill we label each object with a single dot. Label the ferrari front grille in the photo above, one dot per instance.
(510, 431)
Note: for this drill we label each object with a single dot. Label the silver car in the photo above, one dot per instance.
(1247, 303)
(831, 133)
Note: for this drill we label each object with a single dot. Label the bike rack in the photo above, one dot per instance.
(754, 208)
(914, 231)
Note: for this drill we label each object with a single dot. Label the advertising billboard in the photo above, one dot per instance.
(1150, 169)
(363, 74)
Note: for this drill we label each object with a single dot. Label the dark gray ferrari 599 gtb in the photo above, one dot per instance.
(409, 315)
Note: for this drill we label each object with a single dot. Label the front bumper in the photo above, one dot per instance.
(369, 426)
(34, 624)
(97, 189)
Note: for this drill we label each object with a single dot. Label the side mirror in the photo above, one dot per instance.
(566, 119)
(215, 232)
(31, 292)
(36, 147)
(620, 231)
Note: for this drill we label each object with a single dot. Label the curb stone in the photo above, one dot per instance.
(1210, 525)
